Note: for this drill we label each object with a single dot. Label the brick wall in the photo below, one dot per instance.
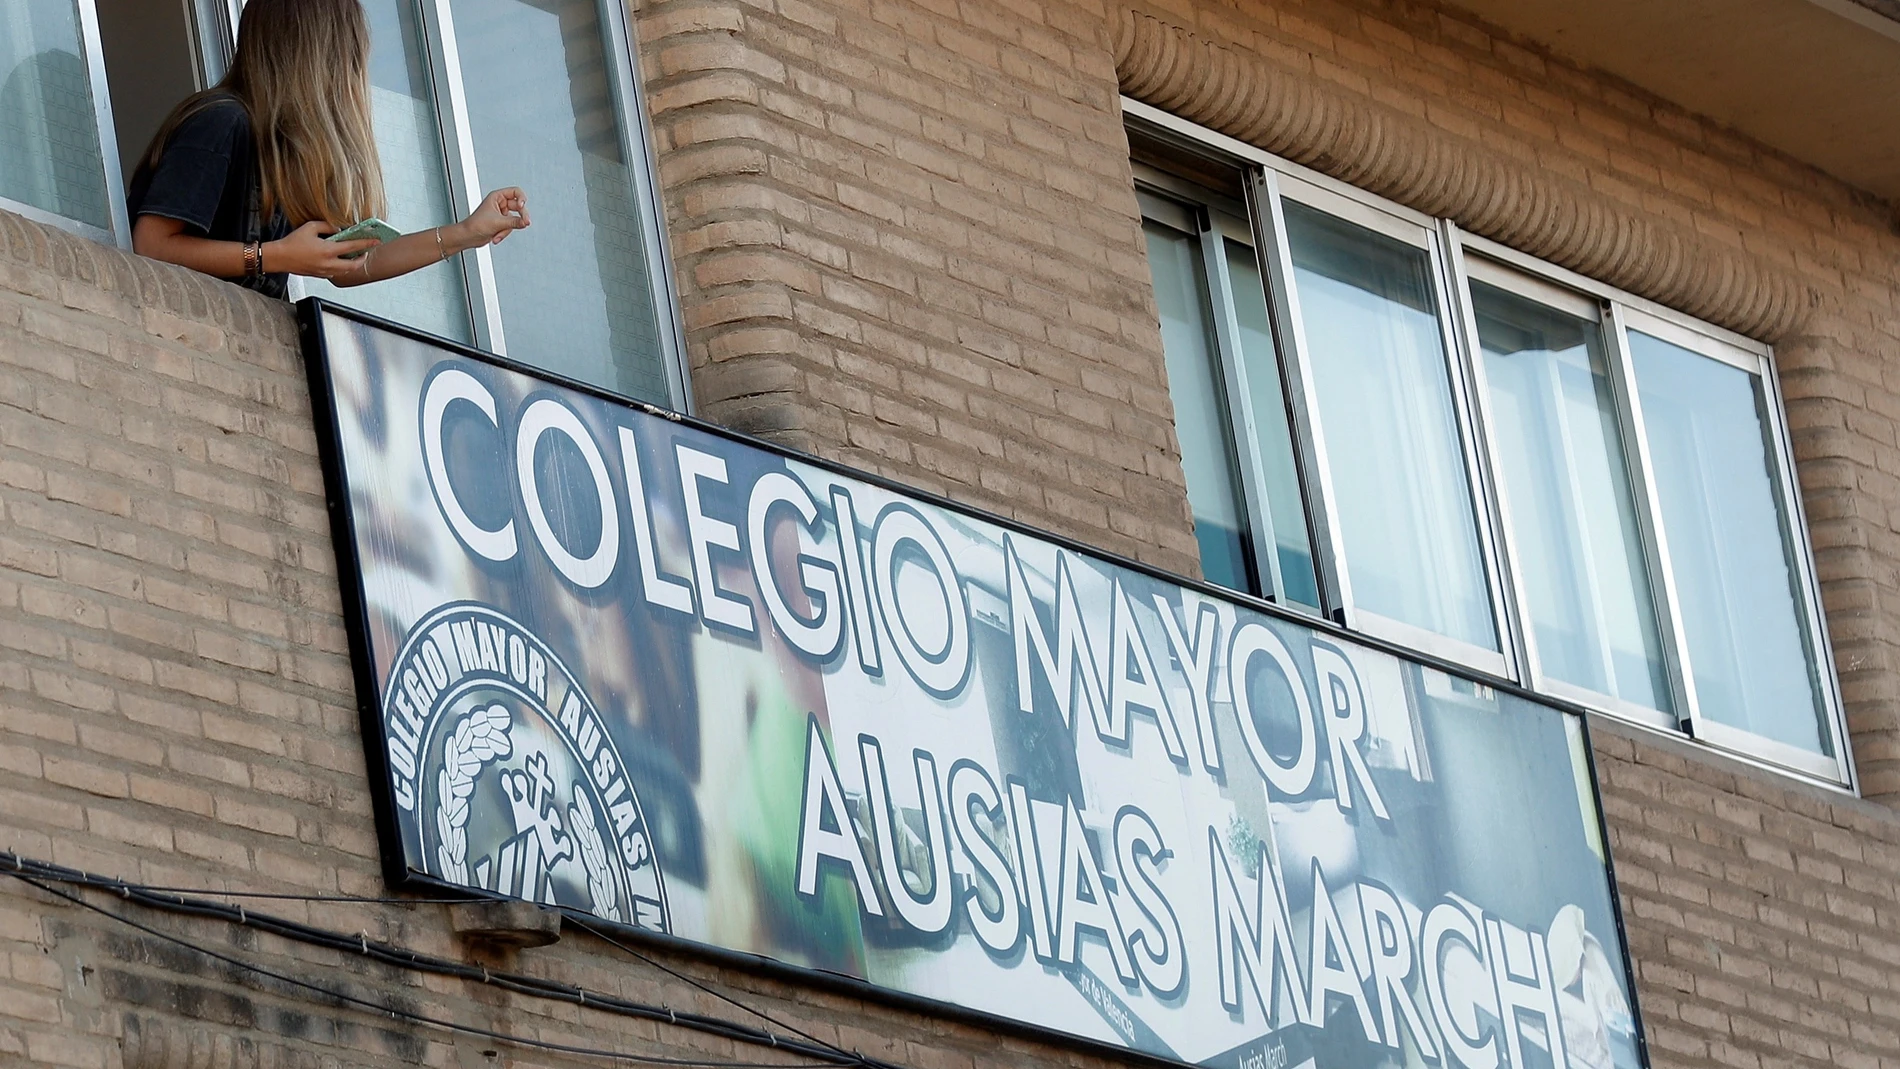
(1761, 912)
(1763, 916)
(906, 239)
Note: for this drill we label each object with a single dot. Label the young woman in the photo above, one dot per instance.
(245, 179)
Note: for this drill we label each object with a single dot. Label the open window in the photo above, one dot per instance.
(85, 84)
(153, 59)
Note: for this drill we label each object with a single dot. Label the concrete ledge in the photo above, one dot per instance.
(505, 923)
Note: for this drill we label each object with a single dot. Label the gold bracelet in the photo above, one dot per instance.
(367, 254)
(442, 254)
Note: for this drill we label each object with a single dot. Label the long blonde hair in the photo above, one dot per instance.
(302, 73)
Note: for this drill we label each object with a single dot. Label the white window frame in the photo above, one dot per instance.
(1419, 231)
(1533, 288)
(1456, 256)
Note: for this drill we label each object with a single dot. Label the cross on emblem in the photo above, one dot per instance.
(541, 785)
(524, 861)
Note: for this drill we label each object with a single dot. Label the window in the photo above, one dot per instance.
(555, 110)
(415, 180)
(1737, 555)
(1248, 514)
(153, 58)
(1376, 343)
(1589, 613)
(1438, 441)
(54, 165)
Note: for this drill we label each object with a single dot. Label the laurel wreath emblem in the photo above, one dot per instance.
(479, 737)
(600, 882)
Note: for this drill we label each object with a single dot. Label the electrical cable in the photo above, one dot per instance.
(581, 920)
(293, 896)
(39, 874)
(584, 922)
(393, 1011)
(576, 917)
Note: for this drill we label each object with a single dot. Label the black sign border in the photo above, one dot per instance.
(310, 313)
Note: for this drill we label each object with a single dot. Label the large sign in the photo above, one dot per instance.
(622, 663)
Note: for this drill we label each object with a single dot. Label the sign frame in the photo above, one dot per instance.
(397, 874)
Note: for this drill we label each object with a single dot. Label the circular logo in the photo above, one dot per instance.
(505, 777)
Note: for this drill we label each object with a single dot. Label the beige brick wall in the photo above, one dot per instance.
(906, 240)
(1763, 916)
(1762, 913)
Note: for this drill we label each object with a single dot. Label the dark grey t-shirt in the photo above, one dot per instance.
(205, 178)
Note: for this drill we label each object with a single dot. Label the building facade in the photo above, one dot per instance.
(1495, 335)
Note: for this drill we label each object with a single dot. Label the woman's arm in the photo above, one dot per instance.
(303, 252)
(500, 213)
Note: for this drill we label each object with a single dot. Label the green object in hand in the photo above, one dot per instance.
(368, 228)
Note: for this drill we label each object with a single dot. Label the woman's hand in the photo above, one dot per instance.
(305, 251)
(499, 214)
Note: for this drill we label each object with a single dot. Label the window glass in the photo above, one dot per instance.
(1403, 501)
(1573, 519)
(414, 178)
(1729, 545)
(1200, 420)
(49, 133)
(575, 291)
(1279, 472)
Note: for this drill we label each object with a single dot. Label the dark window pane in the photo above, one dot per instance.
(1200, 420)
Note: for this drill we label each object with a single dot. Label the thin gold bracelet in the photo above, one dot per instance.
(442, 254)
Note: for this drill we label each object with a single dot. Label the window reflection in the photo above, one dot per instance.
(1272, 431)
(1200, 420)
(575, 291)
(409, 143)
